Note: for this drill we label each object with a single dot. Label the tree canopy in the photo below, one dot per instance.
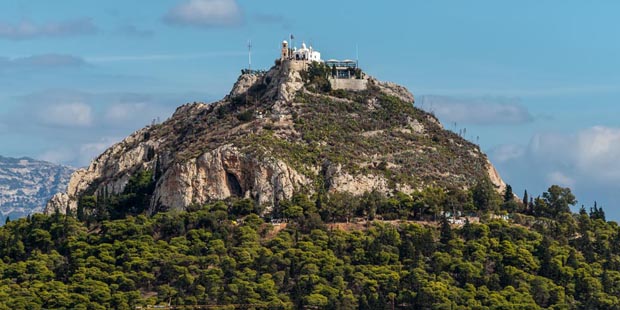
(224, 253)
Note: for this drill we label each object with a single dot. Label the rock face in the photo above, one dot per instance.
(226, 172)
(273, 136)
(394, 89)
(27, 184)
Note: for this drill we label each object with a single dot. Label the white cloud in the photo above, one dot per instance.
(72, 127)
(41, 61)
(163, 57)
(120, 112)
(591, 153)
(541, 91)
(57, 156)
(476, 110)
(559, 178)
(74, 114)
(133, 31)
(78, 155)
(89, 151)
(269, 18)
(28, 30)
(101, 112)
(507, 152)
(205, 13)
(598, 151)
(585, 160)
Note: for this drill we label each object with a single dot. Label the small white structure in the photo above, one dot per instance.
(305, 53)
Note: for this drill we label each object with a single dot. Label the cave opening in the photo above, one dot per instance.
(233, 185)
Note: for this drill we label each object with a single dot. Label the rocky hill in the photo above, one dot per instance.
(282, 132)
(26, 185)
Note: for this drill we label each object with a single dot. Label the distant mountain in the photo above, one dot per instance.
(26, 185)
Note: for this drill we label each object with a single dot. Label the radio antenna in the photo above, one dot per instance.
(249, 55)
(357, 56)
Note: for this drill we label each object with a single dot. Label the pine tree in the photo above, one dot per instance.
(467, 231)
(510, 204)
(446, 231)
(80, 212)
(68, 212)
(593, 211)
(597, 213)
(56, 215)
(508, 195)
(601, 214)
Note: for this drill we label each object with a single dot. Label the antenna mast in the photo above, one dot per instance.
(249, 55)
(357, 56)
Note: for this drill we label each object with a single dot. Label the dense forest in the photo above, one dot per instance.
(432, 249)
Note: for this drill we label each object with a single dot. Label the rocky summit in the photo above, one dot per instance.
(281, 132)
(27, 184)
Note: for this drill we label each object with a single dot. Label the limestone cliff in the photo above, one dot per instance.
(274, 135)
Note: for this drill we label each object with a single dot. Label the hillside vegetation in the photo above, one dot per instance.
(223, 253)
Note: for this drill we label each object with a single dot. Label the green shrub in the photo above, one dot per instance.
(246, 116)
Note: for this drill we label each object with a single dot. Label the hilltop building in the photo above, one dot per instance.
(285, 54)
(345, 74)
(345, 69)
(303, 54)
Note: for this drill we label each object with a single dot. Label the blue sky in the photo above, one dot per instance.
(535, 82)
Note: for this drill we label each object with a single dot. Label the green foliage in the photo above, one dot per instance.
(508, 194)
(596, 213)
(485, 196)
(316, 77)
(558, 200)
(223, 253)
(246, 116)
(135, 199)
(510, 204)
(366, 133)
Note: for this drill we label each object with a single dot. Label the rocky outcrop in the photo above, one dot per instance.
(281, 83)
(226, 172)
(243, 84)
(109, 172)
(495, 178)
(394, 89)
(272, 137)
(340, 181)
